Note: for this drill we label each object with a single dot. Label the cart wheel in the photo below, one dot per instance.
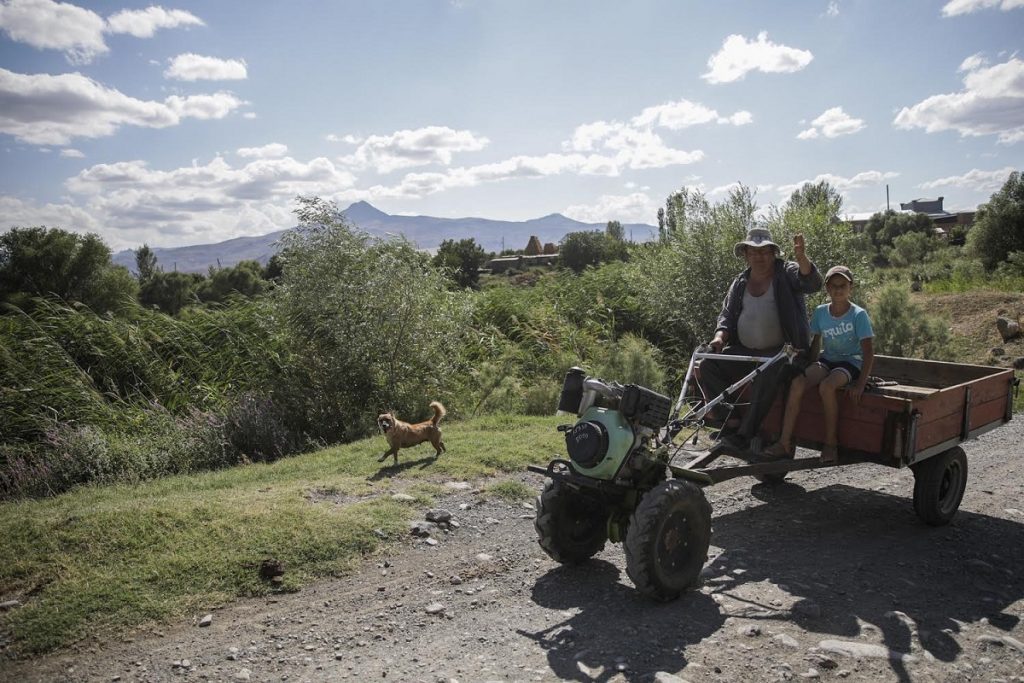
(571, 526)
(939, 484)
(667, 540)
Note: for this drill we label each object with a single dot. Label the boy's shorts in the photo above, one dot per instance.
(851, 371)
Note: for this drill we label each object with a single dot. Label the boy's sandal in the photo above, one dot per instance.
(778, 450)
(829, 454)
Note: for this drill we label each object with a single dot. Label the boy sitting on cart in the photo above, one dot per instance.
(846, 360)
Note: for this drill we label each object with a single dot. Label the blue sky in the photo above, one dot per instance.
(194, 122)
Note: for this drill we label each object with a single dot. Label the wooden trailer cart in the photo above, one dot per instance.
(917, 417)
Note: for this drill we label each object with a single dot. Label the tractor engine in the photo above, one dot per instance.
(611, 439)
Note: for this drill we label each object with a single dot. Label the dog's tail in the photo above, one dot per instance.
(439, 411)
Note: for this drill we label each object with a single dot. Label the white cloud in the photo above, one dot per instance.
(975, 61)
(144, 23)
(78, 32)
(632, 147)
(519, 167)
(832, 123)
(738, 56)
(636, 145)
(202, 202)
(193, 67)
(958, 7)
(684, 113)
(842, 184)
(833, 9)
(52, 25)
(407, 148)
(250, 115)
(70, 153)
(263, 179)
(975, 179)
(636, 207)
(19, 213)
(272, 151)
(51, 110)
(991, 103)
(740, 118)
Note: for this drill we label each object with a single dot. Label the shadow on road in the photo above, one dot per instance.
(612, 629)
(852, 559)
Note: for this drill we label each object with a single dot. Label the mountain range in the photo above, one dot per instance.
(427, 232)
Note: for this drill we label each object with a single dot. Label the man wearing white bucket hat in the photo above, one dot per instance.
(764, 309)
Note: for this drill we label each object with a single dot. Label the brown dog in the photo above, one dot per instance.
(403, 435)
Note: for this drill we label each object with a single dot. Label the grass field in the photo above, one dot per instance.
(104, 559)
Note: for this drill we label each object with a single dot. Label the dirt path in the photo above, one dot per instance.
(830, 576)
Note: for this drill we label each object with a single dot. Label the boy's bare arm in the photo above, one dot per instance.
(867, 351)
(812, 353)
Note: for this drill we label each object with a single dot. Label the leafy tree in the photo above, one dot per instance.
(169, 292)
(911, 248)
(686, 279)
(145, 262)
(114, 289)
(462, 259)
(371, 324)
(273, 270)
(885, 226)
(42, 261)
(820, 196)
(615, 231)
(578, 250)
(244, 278)
(999, 228)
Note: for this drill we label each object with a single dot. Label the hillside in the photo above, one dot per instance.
(427, 232)
(972, 317)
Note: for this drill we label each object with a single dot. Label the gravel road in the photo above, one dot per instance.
(828, 576)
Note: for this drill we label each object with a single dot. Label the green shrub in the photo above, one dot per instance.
(633, 360)
(71, 455)
(257, 427)
(903, 328)
(541, 398)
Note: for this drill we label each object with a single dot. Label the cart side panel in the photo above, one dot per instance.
(952, 414)
(874, 426)
(941, 416)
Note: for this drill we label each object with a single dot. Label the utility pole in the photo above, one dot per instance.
(887, 197)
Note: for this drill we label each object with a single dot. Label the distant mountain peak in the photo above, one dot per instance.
(363, 210)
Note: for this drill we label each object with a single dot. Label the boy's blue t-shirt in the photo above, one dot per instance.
(841, 336)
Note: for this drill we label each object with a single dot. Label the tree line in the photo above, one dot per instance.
(110, 376)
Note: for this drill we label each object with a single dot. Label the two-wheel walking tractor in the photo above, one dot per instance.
(627, 480)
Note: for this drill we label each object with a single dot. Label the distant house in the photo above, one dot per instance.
(535, 255)
(944, 220)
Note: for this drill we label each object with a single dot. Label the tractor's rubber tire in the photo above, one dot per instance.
(939, 484)
(571, 526)
(667, 540)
